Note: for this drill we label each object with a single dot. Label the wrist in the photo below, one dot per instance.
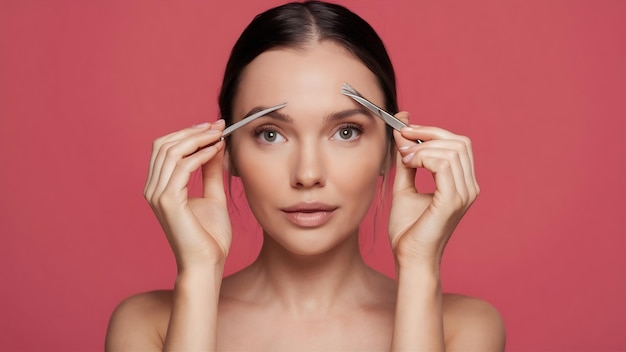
(199, 274)
(200, 266)
(423, 275)
(419, 264)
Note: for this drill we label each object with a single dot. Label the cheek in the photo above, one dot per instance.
(261, 176)
(356, 173)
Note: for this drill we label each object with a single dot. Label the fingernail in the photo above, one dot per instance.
(219, 121)
(200, 125)
(213, 131)
(408, 158)
(407, 129)
(403, 148)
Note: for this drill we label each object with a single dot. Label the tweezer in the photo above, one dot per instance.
(230, 129)
(389, 119)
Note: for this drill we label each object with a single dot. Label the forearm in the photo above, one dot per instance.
(418, 322)
(193, 321)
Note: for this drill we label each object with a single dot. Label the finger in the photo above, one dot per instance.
(454, 162)
(453, 148)
(178, 150)
(403, 143)
(463, 168)
(433, 160)
(443, 174)
(467, 161)
(157, 145)
(470, 153)
(405, 176)
(176, 188)
(428, 133)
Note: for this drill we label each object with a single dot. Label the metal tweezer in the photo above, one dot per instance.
(389, 119)
(230, 129)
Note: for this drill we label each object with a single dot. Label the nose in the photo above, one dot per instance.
(309, 169)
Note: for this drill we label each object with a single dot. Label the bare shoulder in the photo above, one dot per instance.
(140, 322)
(472, 324)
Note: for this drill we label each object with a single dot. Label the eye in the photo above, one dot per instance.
(348, 132)
(268, 134)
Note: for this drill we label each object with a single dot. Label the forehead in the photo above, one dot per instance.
(308, 78)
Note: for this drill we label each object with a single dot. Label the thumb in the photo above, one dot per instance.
(405, 176)
(212, 175)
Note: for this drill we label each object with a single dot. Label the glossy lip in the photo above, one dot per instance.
(309, 215)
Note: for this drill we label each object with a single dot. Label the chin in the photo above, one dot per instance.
(310, 242)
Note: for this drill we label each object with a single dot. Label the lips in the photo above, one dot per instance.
(309, 214)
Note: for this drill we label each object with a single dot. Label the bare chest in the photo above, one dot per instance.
(269, 331)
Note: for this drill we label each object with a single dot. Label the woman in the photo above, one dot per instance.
(310, 171)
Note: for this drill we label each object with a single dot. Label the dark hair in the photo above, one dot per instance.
(297, 24)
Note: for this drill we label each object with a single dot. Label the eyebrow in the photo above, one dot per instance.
(274, 114)
(347, 113)
(330, 117)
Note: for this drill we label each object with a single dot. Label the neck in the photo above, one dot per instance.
(304, 284)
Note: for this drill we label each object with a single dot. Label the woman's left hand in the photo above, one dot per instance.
(421, 224)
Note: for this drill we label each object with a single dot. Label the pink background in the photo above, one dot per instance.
(540, 86)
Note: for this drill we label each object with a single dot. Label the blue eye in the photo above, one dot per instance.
(348, 132)
(269, 135)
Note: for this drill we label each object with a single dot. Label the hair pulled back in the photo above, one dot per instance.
(294, 25)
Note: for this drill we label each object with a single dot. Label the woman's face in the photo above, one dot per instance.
(309, 170)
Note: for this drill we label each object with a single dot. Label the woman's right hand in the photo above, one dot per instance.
(198, 229)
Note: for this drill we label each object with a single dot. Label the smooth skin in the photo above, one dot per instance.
(309, 289)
